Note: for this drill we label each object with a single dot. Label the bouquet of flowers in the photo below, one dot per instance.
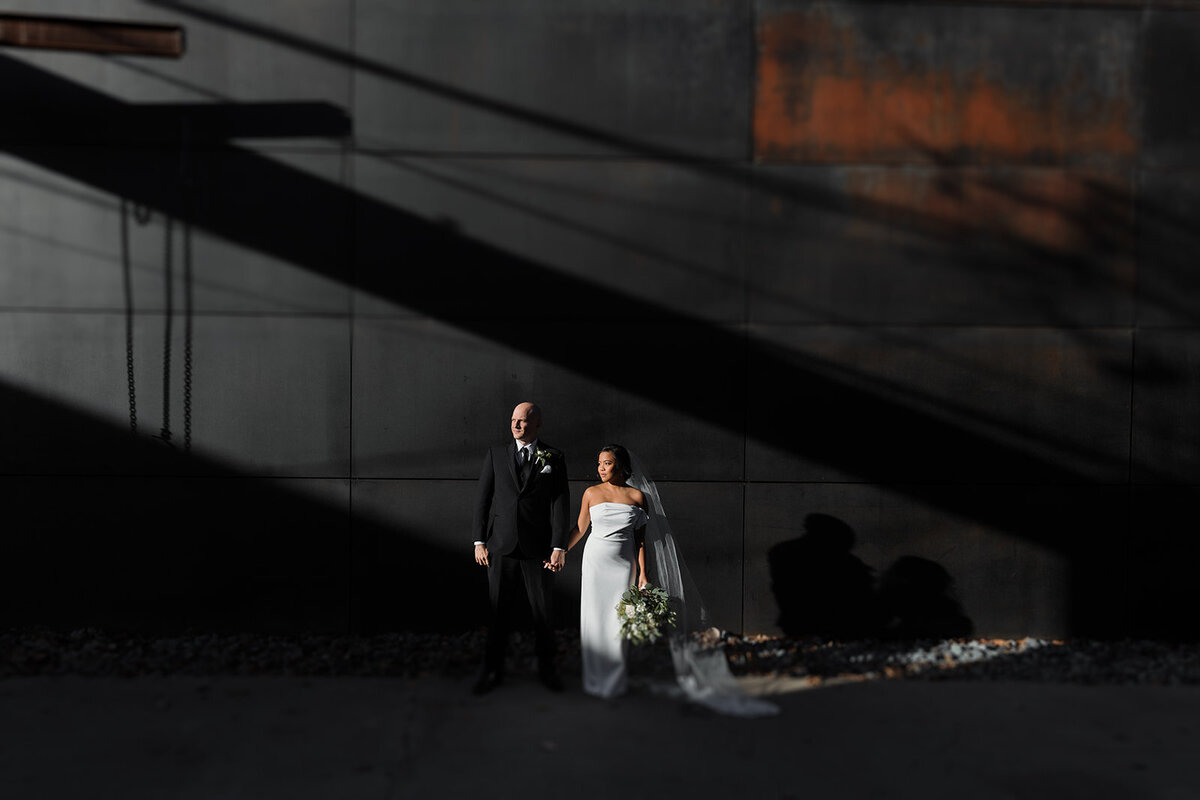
(644, 614)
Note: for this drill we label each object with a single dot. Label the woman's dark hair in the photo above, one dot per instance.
(621, 456)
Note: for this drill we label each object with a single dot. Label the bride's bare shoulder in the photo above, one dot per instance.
(636, 496)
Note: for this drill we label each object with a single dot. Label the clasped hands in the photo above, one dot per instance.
(558, 559)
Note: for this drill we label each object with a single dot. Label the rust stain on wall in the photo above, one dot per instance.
(824, 95)
(1051, 211)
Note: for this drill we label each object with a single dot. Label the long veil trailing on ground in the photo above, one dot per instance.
(702, 673)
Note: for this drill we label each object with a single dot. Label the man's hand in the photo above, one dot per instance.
(481, 556)
(558, 560)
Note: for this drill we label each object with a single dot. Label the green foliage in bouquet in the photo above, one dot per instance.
(645, 614)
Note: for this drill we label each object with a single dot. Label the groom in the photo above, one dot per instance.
(522, 519)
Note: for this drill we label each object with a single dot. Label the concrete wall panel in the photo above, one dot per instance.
(78, 362)
(548, 78)
(269, 395)
(60, 243)
(706, 521)
(851, 82)
(272, 394)
(1172, 66)
(1008, 583)
(1168, 292)
(965, 246)
(170, 554)
(1166, 436)
(1161, 564)
(942, 404)
(413, 564)
(429, 400)
(254, 212)
(70, 244)
(651, 230)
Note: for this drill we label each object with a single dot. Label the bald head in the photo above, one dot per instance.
(526, 422)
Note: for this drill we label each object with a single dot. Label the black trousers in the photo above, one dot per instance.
(507, 575)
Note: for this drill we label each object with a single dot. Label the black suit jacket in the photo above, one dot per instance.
(526, 520)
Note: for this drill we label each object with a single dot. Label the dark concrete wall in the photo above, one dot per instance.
(925, 269)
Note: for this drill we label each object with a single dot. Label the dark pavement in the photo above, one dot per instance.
(349, 738)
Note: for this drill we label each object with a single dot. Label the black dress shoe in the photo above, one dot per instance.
(486, 682)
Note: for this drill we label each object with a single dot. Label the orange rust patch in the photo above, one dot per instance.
(1050, 209)
(822, 95)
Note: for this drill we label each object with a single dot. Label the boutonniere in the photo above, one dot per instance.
(543, 457)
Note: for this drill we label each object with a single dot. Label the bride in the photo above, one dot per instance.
(626, 517)
(614, 558)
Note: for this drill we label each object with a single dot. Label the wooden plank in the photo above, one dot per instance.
(91, 35)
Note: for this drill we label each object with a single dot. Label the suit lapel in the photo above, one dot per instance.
(533, 468)
(511, 452)
(535, 471)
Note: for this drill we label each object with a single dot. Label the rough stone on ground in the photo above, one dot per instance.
(95, 652)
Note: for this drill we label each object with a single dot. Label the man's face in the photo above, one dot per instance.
(525, 423)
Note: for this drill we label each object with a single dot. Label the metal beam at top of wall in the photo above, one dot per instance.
(91, 35)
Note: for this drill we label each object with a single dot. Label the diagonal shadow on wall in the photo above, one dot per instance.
(820, 412)
(104, 528)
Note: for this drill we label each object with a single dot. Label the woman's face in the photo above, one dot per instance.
(606, 466)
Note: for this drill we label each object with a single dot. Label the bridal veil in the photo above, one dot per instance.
(702, 673)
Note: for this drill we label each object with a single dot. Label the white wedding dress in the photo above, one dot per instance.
(608, 571)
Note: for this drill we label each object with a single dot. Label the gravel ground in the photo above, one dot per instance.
(1043, 660)
(91, 652)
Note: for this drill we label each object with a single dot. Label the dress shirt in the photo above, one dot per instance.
(530, 448)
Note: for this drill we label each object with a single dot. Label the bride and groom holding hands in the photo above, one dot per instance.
(522, 528)
(522, 532)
